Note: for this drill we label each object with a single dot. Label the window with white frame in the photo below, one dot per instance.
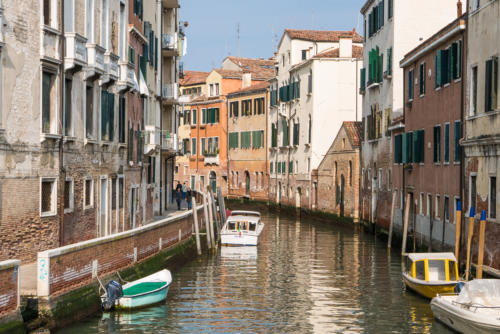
(473, 91)
(69, 195)
(88, 191)
(69, 15)
(89, 21)
(475, 4)
(105, 24)
(49, 96)
(89, 113)
(68, 111)
(48, 196)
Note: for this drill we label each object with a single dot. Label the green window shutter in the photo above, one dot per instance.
(457, 131)
(454, 61)
(421, 144)
(445, 66)
(437, 69)
(437, 143)
(111, 119)
(389, 61)
(487, 85)
(459, 59)
(194, 116)
(405, 148)
(271, 167)
(398, 146)
(447, 143)
(494, 83)
(193, 146)
(156, 53)
(203, 150)
(104, 115)
(290, 167)
(279, 167)
(415, 148)
(362, 77)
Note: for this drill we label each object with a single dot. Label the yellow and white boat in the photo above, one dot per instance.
(430, 274)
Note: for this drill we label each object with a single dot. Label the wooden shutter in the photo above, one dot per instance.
(487, 85)
(398, 141)
(111, 119)
(405, 145)
(457, 131)
(494, 84)
(447, 143)
(362, 78)
(437, 69)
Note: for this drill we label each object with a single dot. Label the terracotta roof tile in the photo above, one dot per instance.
(261, 69)
(193, 78)
(322, 35)
(229, 74)
(357, 52)
(254, 87)
(354, 131)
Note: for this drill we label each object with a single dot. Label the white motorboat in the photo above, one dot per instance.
(476, 309)
(242, 228)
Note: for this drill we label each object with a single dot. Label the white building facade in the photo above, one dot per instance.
(314, 91)
(392, 29)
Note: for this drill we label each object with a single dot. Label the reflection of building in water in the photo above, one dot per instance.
(335, 304)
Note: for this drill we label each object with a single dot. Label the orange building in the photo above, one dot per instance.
(248, 176)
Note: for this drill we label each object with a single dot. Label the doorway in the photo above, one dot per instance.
(247, 183)
(213, 181)
(298, 198)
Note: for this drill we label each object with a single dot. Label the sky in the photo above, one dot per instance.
(212, 31)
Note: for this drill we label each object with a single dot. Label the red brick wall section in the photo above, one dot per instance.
(73, 269)
(8, 287)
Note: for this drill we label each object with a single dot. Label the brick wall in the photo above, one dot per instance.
(9, 286)
(66, 268)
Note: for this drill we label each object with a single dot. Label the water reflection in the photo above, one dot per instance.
(304, 277)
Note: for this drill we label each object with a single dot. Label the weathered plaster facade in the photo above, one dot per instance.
(383, 98)
(337, 175)
(482, 123)
(247, 158)
(316, 90)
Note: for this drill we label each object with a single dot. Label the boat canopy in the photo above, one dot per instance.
(484, 292)
(245, 213)
(431, 256)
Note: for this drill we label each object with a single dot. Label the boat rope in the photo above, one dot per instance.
(471, 305)
(121, 279)
(101, 286)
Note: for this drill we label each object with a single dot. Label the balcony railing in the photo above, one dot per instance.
(169, 42)
(170, 91)
(211, 159)
(50, 43)
(76, 51)
(170, 143)
(95, 58)
(111, 65)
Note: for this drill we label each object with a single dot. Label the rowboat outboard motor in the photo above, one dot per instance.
(114, 292)
(458, 288)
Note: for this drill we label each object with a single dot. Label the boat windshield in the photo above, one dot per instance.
(243, 226)
(437, 271)
(231, 225)
(252, 226)
(453, 272)
(420, 270)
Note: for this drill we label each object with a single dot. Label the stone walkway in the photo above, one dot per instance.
(28, 272)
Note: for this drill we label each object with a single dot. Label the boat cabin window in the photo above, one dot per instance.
(437, 270)
(252, 226)
(420, 269)
(453, 272)
(243, 226)
(231, 225)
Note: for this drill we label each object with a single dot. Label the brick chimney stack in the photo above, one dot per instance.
(459, 8)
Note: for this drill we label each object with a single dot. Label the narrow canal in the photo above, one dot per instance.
(304, 277)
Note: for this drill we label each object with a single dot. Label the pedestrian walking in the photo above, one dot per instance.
(178, 198)
(189, 198)
(184, 191)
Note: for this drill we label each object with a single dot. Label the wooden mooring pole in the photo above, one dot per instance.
(211, 219)
(470, 232)
(405, 224)
(196, 228)
(458, 224)
(207, 224)
(480, 252)
(393, 208)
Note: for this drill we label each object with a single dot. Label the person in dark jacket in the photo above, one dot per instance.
(189, 198)
(178, 198)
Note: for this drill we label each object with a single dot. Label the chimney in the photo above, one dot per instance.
(345, 47)
(459, 8)
(246, 79)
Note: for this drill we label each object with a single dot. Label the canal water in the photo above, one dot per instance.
(304, 277)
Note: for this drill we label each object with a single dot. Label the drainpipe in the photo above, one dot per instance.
(164, 192)
(465, 52)
(62, 173)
